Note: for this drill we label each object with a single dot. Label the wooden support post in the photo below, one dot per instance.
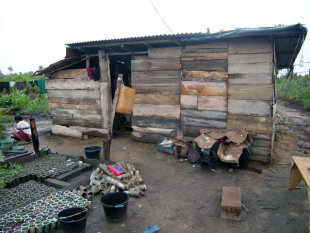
(108, 138)
(34, 135)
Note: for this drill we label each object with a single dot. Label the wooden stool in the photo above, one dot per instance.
(231, 203)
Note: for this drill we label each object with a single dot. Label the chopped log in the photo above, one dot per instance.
(231, 203)
(71, 84)
(211, 45)
(169, 111)
(213, 65)
(204, 76)
(152, 130)
(155, 122)
(169, 74)
(189, 102)
(72, 73)
(250, 58)
(257, 68)
(249, 107)
(251, 92)
(90, 131)
(155, 64)
(85, 94)
(65, 131)
(250, 123)
(250, 46)
(168, 52)
(250, 79)
(157, 98)
(215, 103)
(204, 88)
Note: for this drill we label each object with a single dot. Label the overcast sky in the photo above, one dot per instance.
(34, 32)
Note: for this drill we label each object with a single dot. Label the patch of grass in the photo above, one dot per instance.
(297, 91)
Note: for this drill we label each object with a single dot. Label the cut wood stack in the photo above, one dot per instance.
(251, 92)
(156, 79)
(204, 87)
(74, 99)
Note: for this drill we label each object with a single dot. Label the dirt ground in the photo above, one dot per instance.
(186, 198)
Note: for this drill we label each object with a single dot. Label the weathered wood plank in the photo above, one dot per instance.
(249, 107)
(187, 56)
(251, 92)
(204, 88)
(169, 74)
(86, 94)
(231, 203)
(250, 58)
(74, 101)
(75, 106)
(250, 46)
(261, 143)
(256, 68)
(203, 123)
(262, 151)
(76, 122)
(73, 73)
(250, 79)
(213, 65)
(261, 158)
(65, 131)
(147, 137)
(197, 51)
(172, 88)
(71, 84)
(77, 114)
(220, 115)
(217, 103)
(169, 111)
(155, 64)
(96, 132)
(152, 81)
(157, 98)
(189, 101)
(168, 52)
(222, 45)
(260, 136)
(151, 130)
(204, 76)
(250, 123)
(155, 122)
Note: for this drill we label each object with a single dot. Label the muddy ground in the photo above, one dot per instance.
(186, 198)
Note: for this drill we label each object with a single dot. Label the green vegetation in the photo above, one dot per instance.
(297, 91)
(8, 171)
(21, 77)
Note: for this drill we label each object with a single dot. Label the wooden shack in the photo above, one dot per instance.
(225, 80)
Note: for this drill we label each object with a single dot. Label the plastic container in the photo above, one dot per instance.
(126, 100)
(115, 206)
(6, 144)
(92, 152)
(74, 219)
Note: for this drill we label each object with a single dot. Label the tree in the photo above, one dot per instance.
(10, 68)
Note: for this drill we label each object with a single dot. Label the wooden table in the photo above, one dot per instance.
(299, 172)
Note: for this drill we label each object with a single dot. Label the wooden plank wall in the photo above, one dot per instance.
(74, 99)
(251, 92)
(156, 78)
(204, 87)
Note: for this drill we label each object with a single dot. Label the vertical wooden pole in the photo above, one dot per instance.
(34, 135)
(108, 138)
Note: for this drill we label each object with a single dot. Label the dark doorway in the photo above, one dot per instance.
(121, 65)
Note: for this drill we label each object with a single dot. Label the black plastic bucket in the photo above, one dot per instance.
(115, 206)
(74, 219)
(92, 152)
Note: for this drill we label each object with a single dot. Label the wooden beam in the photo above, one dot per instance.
(204, 88)
(126, 48)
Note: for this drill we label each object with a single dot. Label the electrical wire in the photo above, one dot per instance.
(162, 19)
